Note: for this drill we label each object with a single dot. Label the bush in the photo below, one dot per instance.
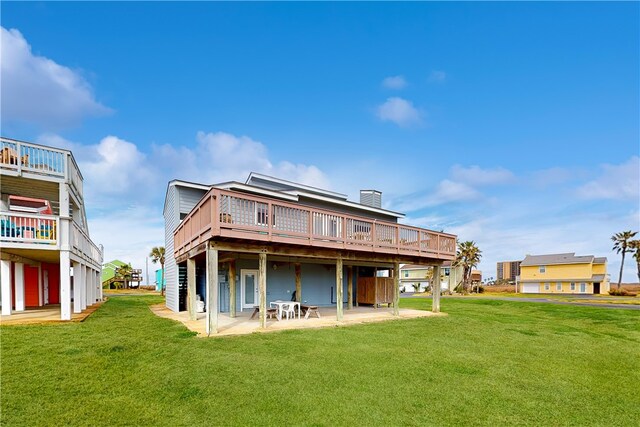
(619, 292)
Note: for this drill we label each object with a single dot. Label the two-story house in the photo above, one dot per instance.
(564, 274)
(236, 245)
(46, 255)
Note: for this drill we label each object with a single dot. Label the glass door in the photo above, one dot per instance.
(249, 288)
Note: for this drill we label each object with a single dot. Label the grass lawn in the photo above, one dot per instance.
(487, 363)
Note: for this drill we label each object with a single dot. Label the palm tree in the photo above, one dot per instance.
(125, 273)
(621, 245)
(635, 245)
(468, 256)
(157, 255)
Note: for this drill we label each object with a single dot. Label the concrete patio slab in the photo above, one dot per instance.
(45, 315)
(242, 324)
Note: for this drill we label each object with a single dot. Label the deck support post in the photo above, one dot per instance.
(349, 287)
(375, 287)
(212, 290)
(435, 289)
(339, 289)
(77, 285)
(356, 280)
(19, 285)
(262, 288)
(232, 288)
(83, 271)
(5, 284)
(191, 288)
(298, 282)
(396, 289)
(65, 285)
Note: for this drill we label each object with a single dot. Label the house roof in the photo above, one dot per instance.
(414, 267)
(566, 258)
(255, 178)
(109, 268)
(600, 260)
(176, 182)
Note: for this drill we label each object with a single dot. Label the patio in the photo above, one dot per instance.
(242, 324)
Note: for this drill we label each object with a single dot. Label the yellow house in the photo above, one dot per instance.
(564, 274)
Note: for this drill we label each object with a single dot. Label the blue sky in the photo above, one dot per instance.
(512, 124)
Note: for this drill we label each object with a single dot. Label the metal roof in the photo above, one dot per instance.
(550, 259)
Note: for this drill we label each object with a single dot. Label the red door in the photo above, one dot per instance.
(31, 291)
(53, 273)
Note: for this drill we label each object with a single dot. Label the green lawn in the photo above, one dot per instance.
(487, 363)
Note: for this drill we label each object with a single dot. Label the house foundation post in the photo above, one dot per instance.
(19, 285)
(396, 289)
(65, 285)
(232, 288)
(83, 286)
(339, 296)
(435, 289)
(262, 288)
(298, 273)
(5, 284)
(349, 287)
(191, 288)
(77, 285)
(212, 290)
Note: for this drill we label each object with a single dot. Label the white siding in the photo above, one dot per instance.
(180, 201)
(171, 221)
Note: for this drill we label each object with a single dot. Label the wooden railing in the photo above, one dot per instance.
(37, 159)
(28, 228)
(239, 215)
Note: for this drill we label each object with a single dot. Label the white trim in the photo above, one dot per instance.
(242, 288)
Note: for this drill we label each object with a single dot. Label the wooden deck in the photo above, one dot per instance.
(242, 324)
(49, 314)
(232, 215)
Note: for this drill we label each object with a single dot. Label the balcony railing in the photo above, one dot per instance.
(238, 215)
(81, 243)
(37, 159)
(27, 228)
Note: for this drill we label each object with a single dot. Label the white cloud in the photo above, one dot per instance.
(450, 191)
(437, 76)
(394, 82)
(399, 111)
(37, 90)
(616, 182)
(474, 175)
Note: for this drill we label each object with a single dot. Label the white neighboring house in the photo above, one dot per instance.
(46, 255)
(420, 275)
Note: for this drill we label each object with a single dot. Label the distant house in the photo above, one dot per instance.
(110, 278)
(47, 257)
(564, 274)
(158, 281)
(270, 239)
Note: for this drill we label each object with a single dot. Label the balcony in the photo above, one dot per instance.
(235, 215)
(35, 161)
(21, 230)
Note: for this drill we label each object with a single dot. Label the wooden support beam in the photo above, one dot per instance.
(232, 288)
(297, 269)
(212, 291)
(375, 288)
(191, 288)
(262, 288)
(435, 289)
(349, 287)
(356, 279)
(339, 289)
(396, 289)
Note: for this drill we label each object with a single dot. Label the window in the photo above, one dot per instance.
(406, 274)
(558, 286)
(573, 286)
(583, 287)
(543, 268)
(547, 286)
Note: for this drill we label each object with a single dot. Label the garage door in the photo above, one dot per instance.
(530, 288)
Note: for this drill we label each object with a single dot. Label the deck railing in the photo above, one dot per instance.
(28, 228)
(81, 242)
(37, 159)
(238, 215)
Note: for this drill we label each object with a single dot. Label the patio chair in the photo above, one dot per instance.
(289, 310)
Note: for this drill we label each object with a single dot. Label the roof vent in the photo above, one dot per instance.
(371, 198)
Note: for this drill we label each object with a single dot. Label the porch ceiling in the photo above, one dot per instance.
(36, 255)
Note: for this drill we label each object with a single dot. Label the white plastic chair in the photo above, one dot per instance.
(289, 310)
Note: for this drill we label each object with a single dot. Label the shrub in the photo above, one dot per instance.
(619, 292)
